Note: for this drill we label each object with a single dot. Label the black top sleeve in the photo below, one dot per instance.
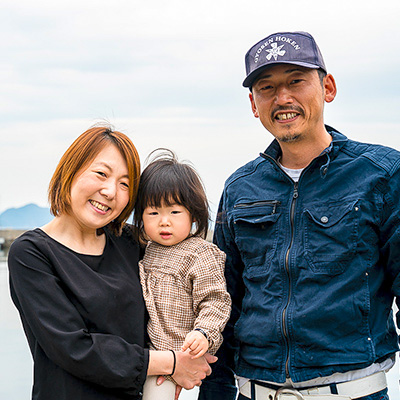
(84, 317)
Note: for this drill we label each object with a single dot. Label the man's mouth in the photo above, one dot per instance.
(99, 206)
(286, 116)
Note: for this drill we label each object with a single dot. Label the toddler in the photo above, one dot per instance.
(182, 275)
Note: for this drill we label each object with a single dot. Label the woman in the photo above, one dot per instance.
(75, 282)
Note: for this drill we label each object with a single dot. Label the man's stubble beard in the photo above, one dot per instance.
(292, 137)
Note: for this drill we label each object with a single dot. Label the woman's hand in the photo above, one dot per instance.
(161, 379)
(178, 391)
(190, 372)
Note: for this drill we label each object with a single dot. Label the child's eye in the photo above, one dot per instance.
(175, 212)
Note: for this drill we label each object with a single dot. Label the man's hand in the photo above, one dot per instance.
(197, 343)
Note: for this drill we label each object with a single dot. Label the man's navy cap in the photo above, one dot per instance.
(298, 48)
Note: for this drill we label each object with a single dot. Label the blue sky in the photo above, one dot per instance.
(169, 74)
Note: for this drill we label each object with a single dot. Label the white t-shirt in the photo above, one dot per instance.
(293, 173)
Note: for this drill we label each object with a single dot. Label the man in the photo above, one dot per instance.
(311, 230)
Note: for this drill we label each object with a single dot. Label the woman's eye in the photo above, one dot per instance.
(124, 184)
(101, 173)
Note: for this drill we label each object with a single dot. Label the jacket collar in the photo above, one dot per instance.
(338, 141)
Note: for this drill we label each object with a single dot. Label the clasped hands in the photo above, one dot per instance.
(192, 362)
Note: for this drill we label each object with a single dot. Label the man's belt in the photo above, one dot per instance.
(340, 391)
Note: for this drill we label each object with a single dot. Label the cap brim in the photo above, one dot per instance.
(248, 82)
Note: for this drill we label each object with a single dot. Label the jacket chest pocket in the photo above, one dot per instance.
(330, 236)
(256, 227)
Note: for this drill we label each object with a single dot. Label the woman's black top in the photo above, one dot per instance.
(83, 316)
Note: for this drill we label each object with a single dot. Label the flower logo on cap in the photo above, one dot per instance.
(275, 51)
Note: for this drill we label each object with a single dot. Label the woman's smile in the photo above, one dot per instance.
(99, 206)
(100, 192)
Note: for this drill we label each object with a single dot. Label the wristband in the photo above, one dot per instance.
(201, 331)
(174, 365)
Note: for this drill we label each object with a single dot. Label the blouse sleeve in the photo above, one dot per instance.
(53, 322)
(211, 301)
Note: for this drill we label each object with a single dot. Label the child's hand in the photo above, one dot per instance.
(197, 343)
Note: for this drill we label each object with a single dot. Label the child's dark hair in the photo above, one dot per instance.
(166, 180)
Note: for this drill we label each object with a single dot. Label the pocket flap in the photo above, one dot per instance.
(330, 214)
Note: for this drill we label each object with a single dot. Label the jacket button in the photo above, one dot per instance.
(324, 219)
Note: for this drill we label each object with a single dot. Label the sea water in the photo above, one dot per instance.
(16, 361)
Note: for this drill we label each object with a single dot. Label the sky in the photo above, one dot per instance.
(169, 74)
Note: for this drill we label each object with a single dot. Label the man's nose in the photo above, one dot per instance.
(283, 95)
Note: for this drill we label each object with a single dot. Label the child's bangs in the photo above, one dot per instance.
(158, 198)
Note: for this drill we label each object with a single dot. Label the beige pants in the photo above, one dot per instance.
(151, 391)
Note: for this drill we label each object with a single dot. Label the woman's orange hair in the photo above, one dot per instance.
(82, 151)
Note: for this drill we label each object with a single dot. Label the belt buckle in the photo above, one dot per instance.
(293, 392)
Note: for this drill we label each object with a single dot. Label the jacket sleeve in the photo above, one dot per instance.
(52, 322)
(211, 301)
(220, 385)
(390, 234)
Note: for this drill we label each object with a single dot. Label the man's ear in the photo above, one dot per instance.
(329, 88)
(253, 105)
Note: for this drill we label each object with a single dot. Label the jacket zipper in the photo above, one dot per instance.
(292, 207)
(294, 199)
(285, 333)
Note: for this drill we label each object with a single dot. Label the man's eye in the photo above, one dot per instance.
(294, 81)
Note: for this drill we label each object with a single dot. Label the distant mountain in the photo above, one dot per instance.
(26, 217)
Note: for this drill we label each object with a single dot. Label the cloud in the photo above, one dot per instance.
(170, 73)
